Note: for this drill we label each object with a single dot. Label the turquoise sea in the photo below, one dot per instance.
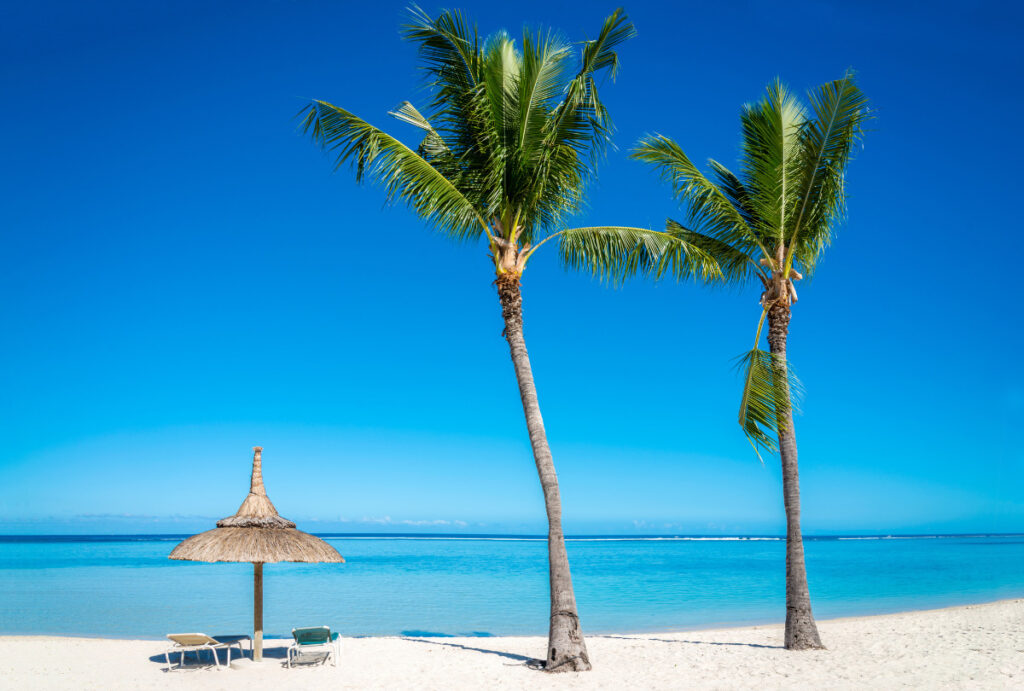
(125, 586)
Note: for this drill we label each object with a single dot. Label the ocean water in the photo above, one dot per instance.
(125, 586)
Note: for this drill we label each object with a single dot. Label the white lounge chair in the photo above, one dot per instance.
(198, 642)
(316, 639)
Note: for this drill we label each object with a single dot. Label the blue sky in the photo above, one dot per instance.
(184, 278)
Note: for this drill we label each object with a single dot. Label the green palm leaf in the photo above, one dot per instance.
(508, 140)
(769, 391)
(600, 53)
(771, 131)
(433, 148)
(449, 48)
(827, 142)
(581, 97)
(546, 61)
(614, 253)
(453, 61)
(403, 173)
(709, 208)
(733, 265)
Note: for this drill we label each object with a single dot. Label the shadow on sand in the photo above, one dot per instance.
(669, 640)
(521, 659)
(204, 660)
(281, 652)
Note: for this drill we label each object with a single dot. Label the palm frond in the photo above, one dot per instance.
(734, 265)
(500, 76)
(433, 145)
(614, 253)
(736, 192)
(448, 46)
(600, 53)
(771, 130)
(770, 391)
(435, 150)
(510, 132)
(581, 98)
(406, 112)
(546, 61)
(707, 206)
(453, 61)
(827, 142)
(403, 173)
(545, 178)
(561, 154)
(501, 80)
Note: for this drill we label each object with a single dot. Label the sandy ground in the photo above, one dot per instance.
(975, 647)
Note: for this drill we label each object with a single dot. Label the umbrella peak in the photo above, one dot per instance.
(256, 511)
(256, 533)
(256, 481)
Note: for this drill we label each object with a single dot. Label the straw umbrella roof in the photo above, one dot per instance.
(255, 533)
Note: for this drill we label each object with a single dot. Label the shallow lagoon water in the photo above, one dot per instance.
(126, 586)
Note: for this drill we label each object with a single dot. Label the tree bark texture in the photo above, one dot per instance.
(801, 631)
(567, 651)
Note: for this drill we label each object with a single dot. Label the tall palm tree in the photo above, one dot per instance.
(509, 141)
(771, 223)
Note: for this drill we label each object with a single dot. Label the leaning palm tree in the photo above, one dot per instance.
(509, 141)
(771, 224)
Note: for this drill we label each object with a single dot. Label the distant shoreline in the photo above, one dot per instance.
(157, 537)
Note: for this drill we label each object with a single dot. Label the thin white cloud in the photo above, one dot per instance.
(387, 520)
(137, 517)
(191, 518)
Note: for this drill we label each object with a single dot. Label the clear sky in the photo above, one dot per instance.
(184, 277)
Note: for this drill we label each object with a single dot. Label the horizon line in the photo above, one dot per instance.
(84, 537)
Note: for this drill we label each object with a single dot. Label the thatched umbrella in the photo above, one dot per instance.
(256, 533)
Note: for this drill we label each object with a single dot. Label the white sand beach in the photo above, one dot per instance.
(972, 647)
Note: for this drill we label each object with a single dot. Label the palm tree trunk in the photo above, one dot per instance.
(567, 650)
(801, 631)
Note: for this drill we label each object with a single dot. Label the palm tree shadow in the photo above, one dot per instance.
(679, 640)
(533, 663)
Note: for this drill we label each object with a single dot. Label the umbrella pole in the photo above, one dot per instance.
(257, 611)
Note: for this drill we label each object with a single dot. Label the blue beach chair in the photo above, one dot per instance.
(315, 640)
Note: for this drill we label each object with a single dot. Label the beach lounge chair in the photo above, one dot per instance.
(198, 642)
(316, 639)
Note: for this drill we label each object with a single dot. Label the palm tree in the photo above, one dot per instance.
(772, 223)
(509, 141)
